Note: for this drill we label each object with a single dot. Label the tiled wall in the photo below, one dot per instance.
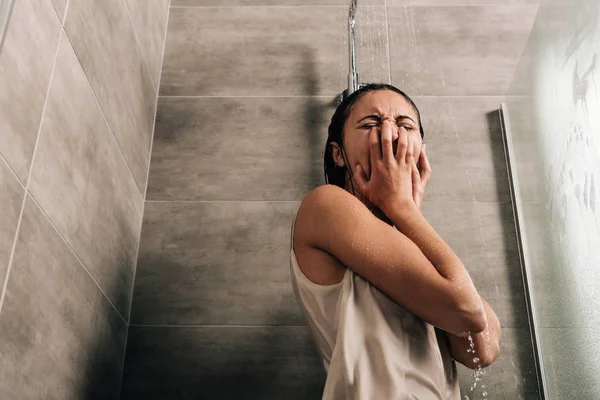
(247, 90)
(553, 111)
(78, 93)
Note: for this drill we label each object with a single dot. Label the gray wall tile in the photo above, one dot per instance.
(483, 236)
(238, 148)
(512, 376)
(149, 19)
(222, 362)
(262, 51)
(460, 2)
(25, 67)
(457, 50)
(60, 6)
(81, 181)
(191, 3)
(215, 263)
(104, 41)
(465, 148)
(59, 336)
(11, 198)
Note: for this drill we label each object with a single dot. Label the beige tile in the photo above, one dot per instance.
(465, 148)
(512, 376)
(482, 235)
(267, 363)
(60, 6)
(59, 336)
(81, 181)
(215, 263)
(149, 19)
(238, 148)
(25, 66)
(11, 198)
(474, 230)
(450, 50)
(264, 51)
(103, 38)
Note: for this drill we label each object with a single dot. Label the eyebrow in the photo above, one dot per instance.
(378, 118)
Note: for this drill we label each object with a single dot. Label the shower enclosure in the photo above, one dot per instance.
(552, 134)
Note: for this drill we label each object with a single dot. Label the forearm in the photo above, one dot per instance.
(409, 220)
(486, 344)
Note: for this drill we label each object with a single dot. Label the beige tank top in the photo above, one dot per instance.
(372, 348)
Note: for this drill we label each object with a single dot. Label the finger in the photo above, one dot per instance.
(360, 178)
(416, 182)
(416, 176)
(374, 148)
(409, 149)
(402, 145)
(426, 169)
(387, 149)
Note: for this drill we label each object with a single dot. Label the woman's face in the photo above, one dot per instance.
(372, 112)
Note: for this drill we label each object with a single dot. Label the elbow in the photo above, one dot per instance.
(484, 359)
(473, 316)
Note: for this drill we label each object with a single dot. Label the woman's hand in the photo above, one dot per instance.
(420, 177)
(390, 184)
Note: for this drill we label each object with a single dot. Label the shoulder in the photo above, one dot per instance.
(320, 208)
(325, 197)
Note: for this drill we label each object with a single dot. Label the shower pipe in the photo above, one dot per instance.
(353, 84)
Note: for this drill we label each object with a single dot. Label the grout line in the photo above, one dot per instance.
(372, 6)
(38, 205)
(368, 6)
(128, 322)
(105, 117)
(37, 140)
(162, 61)
(324, 96)
(251, 97)
(300, 200)
(12, 253)
(10, 168)
(387, 31)
(139, 44)
(64, 18)
(217, 326)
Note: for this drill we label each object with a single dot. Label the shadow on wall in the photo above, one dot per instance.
(270, 361)
(522, 336)
(266, 360)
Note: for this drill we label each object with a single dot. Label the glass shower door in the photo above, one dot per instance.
(553, 112)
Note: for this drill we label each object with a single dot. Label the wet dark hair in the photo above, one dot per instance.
(334, 174)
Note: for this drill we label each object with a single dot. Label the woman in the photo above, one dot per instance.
(389, 304)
